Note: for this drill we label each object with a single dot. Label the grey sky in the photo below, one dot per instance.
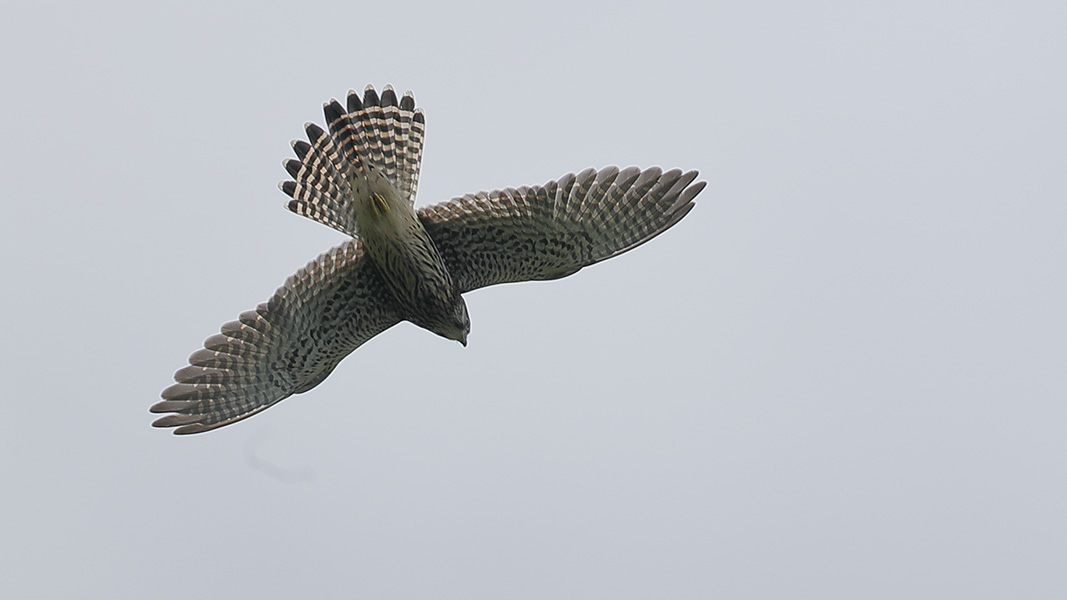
(841, 376)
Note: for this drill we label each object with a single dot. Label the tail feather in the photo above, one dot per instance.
(320, 187)
(376, 133)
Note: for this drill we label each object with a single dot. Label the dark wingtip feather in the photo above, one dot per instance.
(650, 174)
(192, 428)
(585, 177)
(608, 173)
(181, 392)
(289, 187)
(165, 406)
(408, 101)
(692, 191)
(174, 420)
(678, 214)
(292, 166)
(627, 177)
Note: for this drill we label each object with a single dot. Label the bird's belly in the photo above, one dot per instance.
(410, 265)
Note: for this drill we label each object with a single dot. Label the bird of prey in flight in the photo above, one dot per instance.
(359, 176)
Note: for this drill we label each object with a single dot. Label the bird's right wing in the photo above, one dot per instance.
(553, 230)
(286, 346)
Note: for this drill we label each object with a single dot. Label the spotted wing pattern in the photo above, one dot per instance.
(553, 230)
(286, 346)
(380, 133)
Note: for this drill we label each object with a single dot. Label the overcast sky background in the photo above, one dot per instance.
(841, 376)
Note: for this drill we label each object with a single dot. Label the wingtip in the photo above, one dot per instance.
(168, 406)
(192, 428)
(176, 420)
(692, 191)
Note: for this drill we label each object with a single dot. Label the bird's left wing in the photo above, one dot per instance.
(553, 230)
(285, 346)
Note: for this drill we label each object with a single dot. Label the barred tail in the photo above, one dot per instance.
(374, 133)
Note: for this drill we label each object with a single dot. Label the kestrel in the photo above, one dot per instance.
(403, 264)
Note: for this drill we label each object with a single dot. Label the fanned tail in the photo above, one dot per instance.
(381, 134)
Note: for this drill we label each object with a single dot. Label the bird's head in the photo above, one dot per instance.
(458, 324)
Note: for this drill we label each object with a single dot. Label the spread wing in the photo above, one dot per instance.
(381, 135)
(286, 346)
(553, 230)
